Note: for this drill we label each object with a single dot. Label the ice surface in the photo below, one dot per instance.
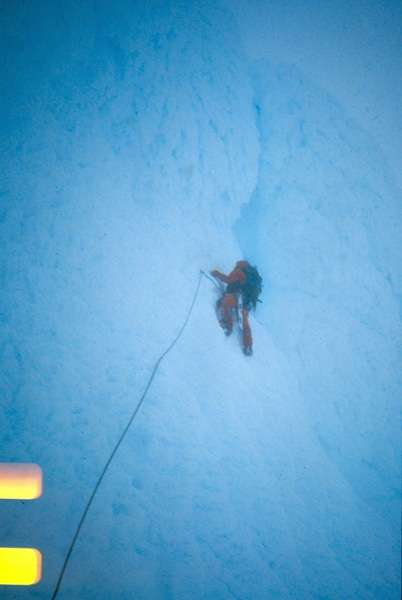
(140, 144)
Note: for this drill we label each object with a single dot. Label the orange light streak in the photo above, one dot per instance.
(20, 481)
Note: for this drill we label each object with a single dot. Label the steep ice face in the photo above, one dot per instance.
(134, 134)
(323, 224)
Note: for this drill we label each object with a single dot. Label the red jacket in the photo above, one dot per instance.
(236, 276)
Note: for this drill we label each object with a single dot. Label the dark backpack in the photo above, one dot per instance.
(252, 287)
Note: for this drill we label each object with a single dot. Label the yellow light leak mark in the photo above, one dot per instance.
(20, 566)
(19, 481)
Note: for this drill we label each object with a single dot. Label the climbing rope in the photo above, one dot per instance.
(210, 279)
(88, 506)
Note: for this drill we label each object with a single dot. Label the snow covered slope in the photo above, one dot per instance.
(139, 146)
(325, 219)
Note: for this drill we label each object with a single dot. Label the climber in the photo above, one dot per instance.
(244, 283)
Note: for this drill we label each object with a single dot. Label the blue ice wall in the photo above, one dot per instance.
(133, 134)
(324, 224)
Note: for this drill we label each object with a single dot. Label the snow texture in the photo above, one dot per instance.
(139, 144)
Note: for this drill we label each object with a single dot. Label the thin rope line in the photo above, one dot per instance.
(88, 506)
(210, 279)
